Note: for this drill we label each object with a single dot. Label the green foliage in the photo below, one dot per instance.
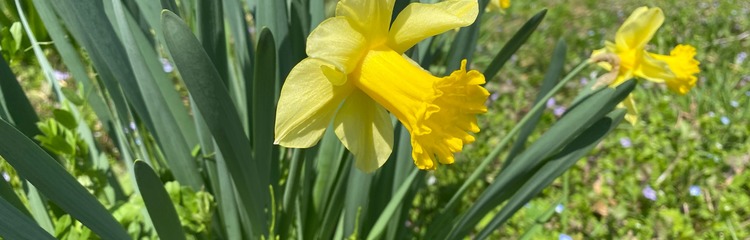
(191, 94)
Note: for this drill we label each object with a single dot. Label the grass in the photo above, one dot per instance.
(695, 142)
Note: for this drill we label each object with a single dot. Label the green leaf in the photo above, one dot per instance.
(553, 168)
(171, 138)
(551, 78)
(212, 99)
(7, 193)
(159, 205)
(22, 114)
(273, 14)
(72, 96)
(510, 48)
(16, 225)
(465, 42)
(106, 53)
(379, 227)
(264, 111)
(33, 164)
(576, 120)
(65, 118)
(73, 62)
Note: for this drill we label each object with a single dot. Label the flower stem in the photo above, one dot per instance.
(498, 149)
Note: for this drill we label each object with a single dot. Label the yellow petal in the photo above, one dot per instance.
(336, 42)
(419, 21)
(365, 128)
(371, 17)
(639, 28)
(307, 104)
(632, 115)
(652, 69)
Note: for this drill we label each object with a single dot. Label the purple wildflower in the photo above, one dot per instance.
(649, 193)
(695, 190)
(625, 142)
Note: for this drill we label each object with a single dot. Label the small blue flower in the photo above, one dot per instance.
(551, 103)
(740, 58)
(625, 142)
(747, 93)
(584, 81)
(60, 75)
(559, 208)
(166, 65)
(6, 176)
(734, 103)
(725, 120)
(695, 190)
(132, 126)
(495, 96)
(565, 237)
(559, 111)
(649, 193)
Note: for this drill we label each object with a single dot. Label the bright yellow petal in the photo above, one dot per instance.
(338, 43)
(419, 21)
(639, 28)
(307, 104)
(652, 69)
(632, 115)
(371, 17)
(365, 128)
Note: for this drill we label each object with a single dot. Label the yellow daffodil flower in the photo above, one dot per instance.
(499, 4)
(675, 70)
(356, 73)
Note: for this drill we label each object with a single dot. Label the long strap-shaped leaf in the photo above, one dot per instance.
(577, 119)
(514, 44)
(16, 225)
(171, 138)
(555, 167)
(212, 99)
(36, 166)
(160, 207)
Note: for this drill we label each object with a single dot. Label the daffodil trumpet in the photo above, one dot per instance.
(356, 73)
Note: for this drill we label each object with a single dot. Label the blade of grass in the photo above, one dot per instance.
(211, 97)
(553, 168)
(7, 193)
(33, 164)
(515, 42)
(554, 71)
(577, 120)
(440, 225)
(264, 110)
(92, 29)
(465, 42)
(16, 225)
(273, 14)
(169, 135)
(160, 207)
(22, 114)
(379, 227)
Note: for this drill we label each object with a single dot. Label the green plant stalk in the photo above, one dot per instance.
(496, 152)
